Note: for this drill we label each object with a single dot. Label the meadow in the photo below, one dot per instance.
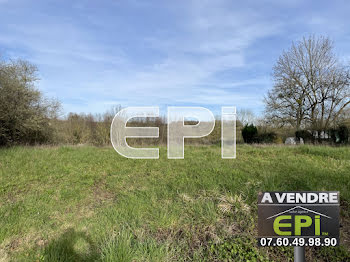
(82, 203)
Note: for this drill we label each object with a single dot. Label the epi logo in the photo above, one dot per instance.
(177, 130)
(300, 221)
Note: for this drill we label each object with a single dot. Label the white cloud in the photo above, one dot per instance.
(214, 40)
(212, 37)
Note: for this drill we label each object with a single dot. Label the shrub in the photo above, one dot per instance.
(249, 133)
(279, 140)
(25, 116)
(340, 135)
(343, 132)
(267, 138)
(305, 135)
(334, 135)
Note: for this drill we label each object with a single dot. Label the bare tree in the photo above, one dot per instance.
(311, 87)
(246, 117)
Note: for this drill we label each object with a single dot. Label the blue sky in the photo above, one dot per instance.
(96, 54)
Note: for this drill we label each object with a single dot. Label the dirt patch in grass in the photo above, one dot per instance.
(14, 195)
(101, 193)
(19, 243)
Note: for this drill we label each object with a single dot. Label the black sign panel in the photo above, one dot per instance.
(298, 218)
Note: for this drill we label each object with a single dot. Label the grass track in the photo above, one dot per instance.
(88, 203)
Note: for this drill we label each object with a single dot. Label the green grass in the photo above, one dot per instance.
(90, 204)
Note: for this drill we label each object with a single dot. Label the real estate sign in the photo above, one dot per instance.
(298, 218)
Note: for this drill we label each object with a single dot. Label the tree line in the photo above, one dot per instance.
(310, 98)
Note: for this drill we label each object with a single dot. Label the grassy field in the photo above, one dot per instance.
(90, 204)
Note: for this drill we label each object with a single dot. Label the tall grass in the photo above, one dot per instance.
(90, 204)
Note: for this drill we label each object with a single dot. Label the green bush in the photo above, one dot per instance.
(305, 135)
(249, 133)
(343, 132)
(340, 135)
